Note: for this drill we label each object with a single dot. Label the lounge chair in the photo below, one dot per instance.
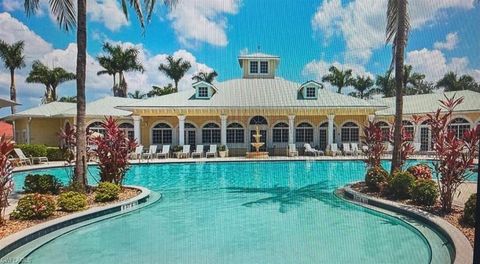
(22, 159)
(346, 149)
(198, 151)
(389, 149)
(185, 152)
(355, 149)
(312, 151)
(138, 153)
(334, 149)
(152, 151)
(212, 151)
(165, 152)
(292, 150)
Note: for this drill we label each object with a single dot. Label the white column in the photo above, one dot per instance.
(291, 129)
(371, 118)
(330, 129)
(223, 130)
(29, 121)
(181, 130)
(136, 129)
(416, 137)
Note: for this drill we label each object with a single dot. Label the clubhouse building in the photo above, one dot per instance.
(227, 113)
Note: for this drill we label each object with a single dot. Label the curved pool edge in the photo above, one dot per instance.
(462, 250)
(56, 227)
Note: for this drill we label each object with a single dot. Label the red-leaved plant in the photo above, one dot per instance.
(374, 144)
(453, 156)
(113, 149)
(406, 148)
(6, 182)
(68, 142)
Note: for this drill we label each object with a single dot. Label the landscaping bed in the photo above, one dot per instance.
(11, 226)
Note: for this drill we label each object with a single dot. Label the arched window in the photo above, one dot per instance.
(459, 126)
(258, 120)
(304, 133)
(385, 127)
(235, 133)
(323, 133)
(127, 128)
(280, 133)
(189, 134)
(211, 134)
(409, 129)
(350, 132)
(162, 134)
(96, 127)
(426, 142)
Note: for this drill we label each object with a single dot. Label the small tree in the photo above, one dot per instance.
(454, 156)
(112, 150)
(406, 147)
(68, 142)
(374, 143)
(6, 182)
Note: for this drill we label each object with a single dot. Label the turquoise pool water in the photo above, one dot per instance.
(241, 212)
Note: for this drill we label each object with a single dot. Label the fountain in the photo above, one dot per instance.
(257, 154)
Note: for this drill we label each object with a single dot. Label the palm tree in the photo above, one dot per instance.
(411, 79)
(68, 99)
(51, 78)
(175, 69)
(64, 12)
(13, 58)
(159, 91)
(137, 95)
(397, 33)
(385, 84)
(451, 82)
(118, 60)
(205, 76)
(338, 78)
(422, 87)
(362, 86)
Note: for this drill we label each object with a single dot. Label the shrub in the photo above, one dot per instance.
(55, 154)
(72, 201)
(6, 182)
(177, 148)
(425, 192)
(34, 206)
(376, 178)
(421, 171)
(469, 211)
(401, 184)
(222, 148)
(106, 191)
(33, 150)
(41, 183)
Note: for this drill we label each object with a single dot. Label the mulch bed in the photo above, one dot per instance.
(454, 218)
(13, 226)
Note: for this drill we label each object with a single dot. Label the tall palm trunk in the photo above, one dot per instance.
(176, 86)
(81, 162)
(13, 91)
(400, 40)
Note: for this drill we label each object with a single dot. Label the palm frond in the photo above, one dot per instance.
(64, 11)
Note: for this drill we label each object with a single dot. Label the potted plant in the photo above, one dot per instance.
(222, 151)
(176, 150)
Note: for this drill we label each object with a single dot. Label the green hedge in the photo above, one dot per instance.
(469, 211)
(106, 191)
(55, 154)
(401, 185)
(42, 183)
(33, 150)
(425, 192)
(72, 201)
(376, 178)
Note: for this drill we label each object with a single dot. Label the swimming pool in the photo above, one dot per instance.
(242, 212)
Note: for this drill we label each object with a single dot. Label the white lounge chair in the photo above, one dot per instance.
(198, 151)
(22, 158)
(346, 149)
(355, 149)
(389, 149)
(185, 152)
(334, 149)
(152, 151)
(165, 152)
(212, 151)
(312, 151)
(292, 150)
(138, 153)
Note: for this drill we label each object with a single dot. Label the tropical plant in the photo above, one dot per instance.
(6, 168)
(411, 79)
(421, 171)
(137, 95)
(454, 156)
(376, 178)
(33, 150)
(112, 151)
(68, 142)
(64, 12)
(424, 192)
(397, 30)
(34, 206)
(373, 138)
(401, 184)
(159, 91)
(338, 78)
(363, 86)
(406, 146)
(41, 183)
(451, 82)
(208, 77)
(469, 214)
(68, 99)
(422, 87)
(72, 201)
(13, 59)
(385, 84)
(118, 60)
(175, 69)
(107, 191)
(51, 78)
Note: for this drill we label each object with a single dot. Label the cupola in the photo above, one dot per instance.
(258, 65)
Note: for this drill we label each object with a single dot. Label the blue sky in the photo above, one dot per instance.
(309, 36)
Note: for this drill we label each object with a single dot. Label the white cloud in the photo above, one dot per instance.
(362, 22)
(11, 5)
(202, 20)
(107, 12)
(450, 42)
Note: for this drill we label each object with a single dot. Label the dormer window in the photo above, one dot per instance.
(253, 67)
(310, 92)
(264, 67)
(202, 92)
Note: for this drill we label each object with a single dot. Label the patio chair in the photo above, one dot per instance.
(346, 149)
(292, 150)
(212, 151)
(334, 149)
(22, 159)
(165, 152)
(355, 149)
(185, 152)
(152, 151)
(198, 151)
(389, 149)
(312, 151)
(138, 153)
(91, 155)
